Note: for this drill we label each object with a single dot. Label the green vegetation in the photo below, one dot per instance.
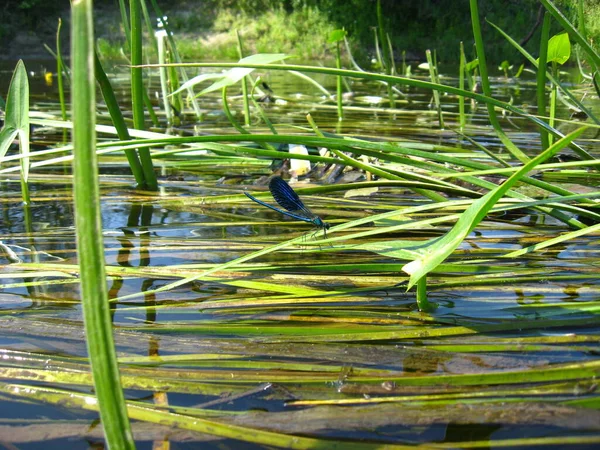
(206, 30)
(456, 288)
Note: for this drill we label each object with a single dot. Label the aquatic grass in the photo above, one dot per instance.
(260, 110)
(175, 53)
(244, 82)
(490, 101)
(138, 91)
(233, 76)
(442, 248)
(564, 89)
(397, 246)
(160, 40)
(335, 38)
(433, 75)
(574, 33)
(485, 83)
(99, 338)
(346, 144)
(386, 58)
(144, 412)
(317, 327)
(60, 69)
(462, 72)
(117, 119)
(558, 52)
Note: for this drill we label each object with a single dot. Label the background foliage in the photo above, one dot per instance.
(300, 26)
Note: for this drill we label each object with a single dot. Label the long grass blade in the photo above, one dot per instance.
(89, 234)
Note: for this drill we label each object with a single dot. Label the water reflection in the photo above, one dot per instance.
(336, 321)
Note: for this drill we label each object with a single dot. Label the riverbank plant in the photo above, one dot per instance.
(238, 327)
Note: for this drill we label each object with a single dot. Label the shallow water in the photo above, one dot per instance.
(332, 324)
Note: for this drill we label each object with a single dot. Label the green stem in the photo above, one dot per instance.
(90, 245)
(485, 84)
(461, 85)
(244, 83)
(117, 118)
(553, 93)
(162, 72)
(434, 79)
(338, 65)
(422, 300)
(59, 74)
(541, 78)
(386, 53)
(137, 91)
(177, 58)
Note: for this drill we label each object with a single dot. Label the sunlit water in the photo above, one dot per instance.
(144, 232)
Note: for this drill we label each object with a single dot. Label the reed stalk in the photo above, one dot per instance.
(90, 244)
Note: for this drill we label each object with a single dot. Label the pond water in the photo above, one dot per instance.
(313, 340)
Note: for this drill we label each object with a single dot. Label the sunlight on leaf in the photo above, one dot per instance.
(17, 117)
(438, 250)
(196, 80)
(364, 192)
(336, 36)
(234, 75)
(559, 48)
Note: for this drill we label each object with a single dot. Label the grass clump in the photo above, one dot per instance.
(300, 32)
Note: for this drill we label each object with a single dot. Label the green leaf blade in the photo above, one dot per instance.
(234, 75)
(438, 251)
(17, 117)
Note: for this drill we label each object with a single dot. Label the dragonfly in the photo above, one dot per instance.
(285, 196)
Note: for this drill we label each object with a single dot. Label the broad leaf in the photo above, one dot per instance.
(234, 75)
(17, 117)
(559, 48)
(197, 80)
